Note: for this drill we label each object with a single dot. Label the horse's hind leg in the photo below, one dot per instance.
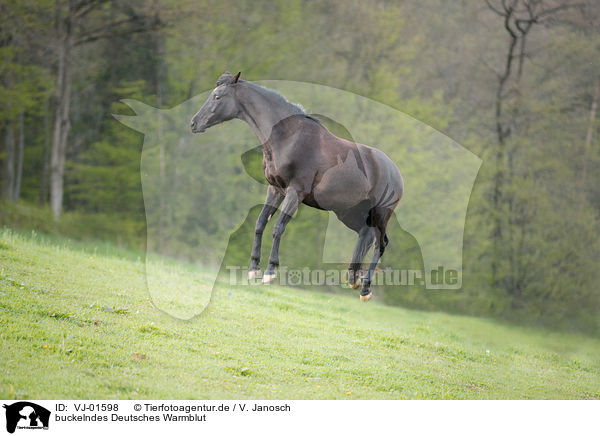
(366, 236)
(272, 202)
(380, 218)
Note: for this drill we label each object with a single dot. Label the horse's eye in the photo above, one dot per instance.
(217, 97)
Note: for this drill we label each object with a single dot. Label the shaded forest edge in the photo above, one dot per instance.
(99, 234)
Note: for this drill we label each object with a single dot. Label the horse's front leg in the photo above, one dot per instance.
(293, 198)
(272, 202)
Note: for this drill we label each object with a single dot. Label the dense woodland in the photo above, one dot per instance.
(517, 82)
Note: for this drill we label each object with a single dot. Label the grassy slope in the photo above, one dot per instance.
(80, 325)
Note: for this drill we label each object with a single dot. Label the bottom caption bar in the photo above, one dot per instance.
(67, 417)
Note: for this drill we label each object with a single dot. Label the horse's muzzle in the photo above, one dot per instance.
(195, 129)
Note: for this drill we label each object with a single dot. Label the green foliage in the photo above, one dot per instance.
(24, 86)
(122, 229)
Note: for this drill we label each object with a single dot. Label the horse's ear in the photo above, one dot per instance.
(236, 77)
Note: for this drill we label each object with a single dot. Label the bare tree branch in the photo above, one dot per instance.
(101, 35)
(85, 7)
(497, 11)
(558, 9)
(116, 29)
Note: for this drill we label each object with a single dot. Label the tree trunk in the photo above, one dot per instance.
(19, 162)
(589, 137)
(8, 174)
(502, 133)
(63, 102)
(162, 219)
(45, 155)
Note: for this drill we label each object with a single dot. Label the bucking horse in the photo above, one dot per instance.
(303, 162)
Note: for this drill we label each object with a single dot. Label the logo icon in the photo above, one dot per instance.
(26, 415)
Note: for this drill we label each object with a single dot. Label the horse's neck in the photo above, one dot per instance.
(262, 112)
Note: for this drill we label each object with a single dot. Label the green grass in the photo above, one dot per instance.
(77, 322)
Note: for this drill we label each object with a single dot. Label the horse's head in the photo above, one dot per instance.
(219, 107)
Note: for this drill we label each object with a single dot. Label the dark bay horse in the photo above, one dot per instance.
(305, 163)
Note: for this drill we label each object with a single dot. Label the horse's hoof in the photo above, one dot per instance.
(253, 274)
(353, 279)
(268, 278)
(365, 298)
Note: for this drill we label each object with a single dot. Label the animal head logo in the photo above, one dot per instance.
(199, 189)
(27, 415)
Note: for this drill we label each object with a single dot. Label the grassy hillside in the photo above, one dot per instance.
(76, 322)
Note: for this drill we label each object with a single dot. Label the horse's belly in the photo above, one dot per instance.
(309, 200)
(340, 195)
